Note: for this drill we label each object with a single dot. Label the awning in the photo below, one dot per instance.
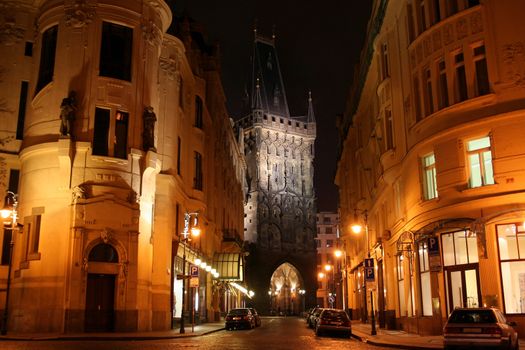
(230, 266)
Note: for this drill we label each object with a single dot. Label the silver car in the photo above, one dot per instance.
(479, 327)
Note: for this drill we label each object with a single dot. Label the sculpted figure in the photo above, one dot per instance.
(148, 133)
(67, 114)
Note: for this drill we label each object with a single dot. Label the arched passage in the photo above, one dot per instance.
(286, 291)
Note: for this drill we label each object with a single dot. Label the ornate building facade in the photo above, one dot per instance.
(431, 161)
(280, 199)
(116, 129)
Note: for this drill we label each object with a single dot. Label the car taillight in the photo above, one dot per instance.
(492, 330)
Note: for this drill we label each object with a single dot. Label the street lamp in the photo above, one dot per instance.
(356, 228)
(332, 293)
(338, 254)
(302, 292)
(9, 210)
(193, 231)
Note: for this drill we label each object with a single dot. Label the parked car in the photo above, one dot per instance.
(479, 327)
(240, 318)
(312, 319)
(256, 316)
(334, 321)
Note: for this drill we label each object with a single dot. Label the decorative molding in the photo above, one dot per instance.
(170, 65)
(79, 14)
(151, 33)
(514, 59)
(105, 235)
(10, 32)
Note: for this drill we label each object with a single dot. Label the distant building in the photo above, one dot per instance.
(280, 200)
(328, 265)
(113, 127)
(431, 161)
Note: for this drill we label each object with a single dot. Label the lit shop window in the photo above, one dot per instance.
(511, 245)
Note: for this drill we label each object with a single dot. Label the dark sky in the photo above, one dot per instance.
(318, 43)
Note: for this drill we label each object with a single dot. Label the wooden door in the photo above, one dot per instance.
(100, 307)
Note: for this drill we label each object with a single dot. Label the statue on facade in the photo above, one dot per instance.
(148, 134)
(67, 114)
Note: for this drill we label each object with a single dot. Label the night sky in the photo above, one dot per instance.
(318, 43)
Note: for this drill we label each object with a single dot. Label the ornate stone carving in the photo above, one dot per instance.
(79, 14)
(476, 23)
(10, 32)
(462, 28)
(79, 192)
(151, 33)
(514, 58)
(170, 65)
(105, 235)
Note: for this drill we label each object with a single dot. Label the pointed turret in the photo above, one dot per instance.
(310, 117)
(258, 99)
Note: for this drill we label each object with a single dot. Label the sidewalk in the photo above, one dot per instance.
(201, 329)
(395, 338)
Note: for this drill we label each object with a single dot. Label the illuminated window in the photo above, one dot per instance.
(424, 277)
(429, 177)
(480, 162)
(102, 131)
(121, 135)
(459, 248)
(47, 58)
(511, 245)
(116, 51)
(481, 71)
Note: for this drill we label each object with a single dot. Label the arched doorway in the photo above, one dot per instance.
(286, 292)
(100, 291)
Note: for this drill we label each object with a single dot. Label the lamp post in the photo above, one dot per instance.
(302, 292)
(195, 231)
(356, 228)
(9, 209)
(338, 254)
(331, 293)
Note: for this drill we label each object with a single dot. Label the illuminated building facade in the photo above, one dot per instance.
(280, 200)
(115, 125)
(328, 265)
(431, 156)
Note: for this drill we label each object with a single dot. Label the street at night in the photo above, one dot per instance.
(276, 333)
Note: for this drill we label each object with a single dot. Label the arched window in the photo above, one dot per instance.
(103, 253)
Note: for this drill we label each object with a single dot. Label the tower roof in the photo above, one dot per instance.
(266, 73)
(310, 117)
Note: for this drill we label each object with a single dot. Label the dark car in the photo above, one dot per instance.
(240, 318)
(312, 319)
(256, 316)
(476, 328)
(333, 321)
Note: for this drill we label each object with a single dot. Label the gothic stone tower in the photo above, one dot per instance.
(280, 205)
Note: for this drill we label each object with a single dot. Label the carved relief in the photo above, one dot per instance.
(448, 34)
(514, 59)
(170, 65)
(105, 235)
(462, 28)
(79, 14)
(476, 23)
(151, 33)
(10, 32)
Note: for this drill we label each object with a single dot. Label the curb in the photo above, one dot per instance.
(108, 338)
(390, 345)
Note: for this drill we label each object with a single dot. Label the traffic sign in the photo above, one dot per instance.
(194, 282)
(194, 271)
(369, 270)
(433, 246)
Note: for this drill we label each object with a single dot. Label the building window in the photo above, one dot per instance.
(401, 286)
(198, 112)
(22, 106)
(47, 58)
(429, 97)
(179, 144)
(8, 234)
(460, 78)
(452, 7)
(417, 101)
(429, 177)
(410, 23)
(424, 276)
(28, 49)
(459, 248)
(35, 235)
(385, 70)
(329, 243)
(436, 11)
(327, 220)
(442, 84)
(102, 130)
(480, 162)
(197, 181)
(511, 245)
(14, 176)
(121, 134)
(389, 130)
(328, 230)
(116, 51)
(422, 16)
(481, 73)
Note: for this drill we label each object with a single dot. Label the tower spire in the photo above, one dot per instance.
(258, 99)
(310, 117)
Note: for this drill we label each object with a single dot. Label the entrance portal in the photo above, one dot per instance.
(286, 291)
(100, 297)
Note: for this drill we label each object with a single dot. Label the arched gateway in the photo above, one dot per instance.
(286, 291)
